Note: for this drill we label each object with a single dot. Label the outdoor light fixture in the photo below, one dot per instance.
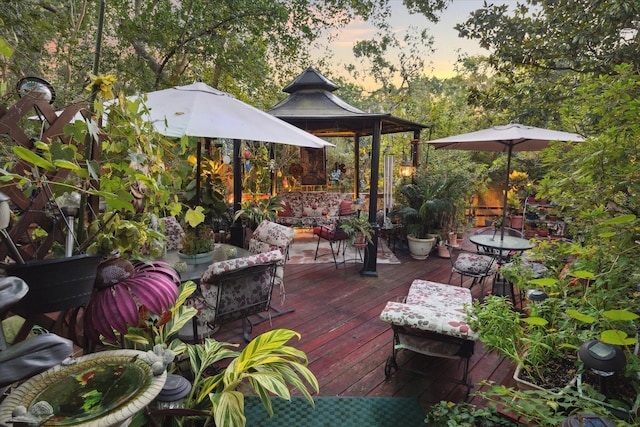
(537, 295)
(37, 85)
(602, 358)
(172, 395)
(406, 168)
(586, 420)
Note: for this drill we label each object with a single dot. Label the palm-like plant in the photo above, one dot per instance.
(432, 203)
(124, 289)
(266, 363)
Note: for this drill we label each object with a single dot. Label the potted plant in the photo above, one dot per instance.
(358, 228)
(529, 342)
(430, 207)
(197, 244)
(255, 211)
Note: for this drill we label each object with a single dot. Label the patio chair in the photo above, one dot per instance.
(336, 237)
(431, 320)
(236, 289)
(270, 236)
(476, 265)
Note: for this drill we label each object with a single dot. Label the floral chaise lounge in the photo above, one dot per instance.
(308, 209)
(431, 320)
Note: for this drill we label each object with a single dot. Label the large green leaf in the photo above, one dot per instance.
(544, 281)
(537, 321)
(620, 315)
(617, 337)
(581, 317)
(230, 410)
(32, 158)
(582, 274)
(5, 49)
(622, 219)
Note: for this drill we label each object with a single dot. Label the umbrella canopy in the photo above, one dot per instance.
(509, 138)
(202, 111)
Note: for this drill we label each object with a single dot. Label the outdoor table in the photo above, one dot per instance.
(221, 252)
(502, 247)
(506, 243)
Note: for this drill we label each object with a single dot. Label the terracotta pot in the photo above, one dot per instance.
(516, 221)
(443, 251)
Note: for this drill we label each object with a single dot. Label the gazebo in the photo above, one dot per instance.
(313, 107)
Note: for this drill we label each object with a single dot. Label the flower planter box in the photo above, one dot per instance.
(523, 384)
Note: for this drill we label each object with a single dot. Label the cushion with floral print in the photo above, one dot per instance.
(173, 232)
(473, 263)
(227, 266)
(274, 234)
(433, 307)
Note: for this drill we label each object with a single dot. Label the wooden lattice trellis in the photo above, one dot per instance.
(32, 210)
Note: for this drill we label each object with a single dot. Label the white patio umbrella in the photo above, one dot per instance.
(202, 111)
(509, 138)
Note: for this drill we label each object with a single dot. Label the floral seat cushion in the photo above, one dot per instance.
(269, 236)
(242, 296)
(173, 232)
(473, 263)
(433, 307)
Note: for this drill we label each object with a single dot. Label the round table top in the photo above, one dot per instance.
(194, 272)
(509, 243)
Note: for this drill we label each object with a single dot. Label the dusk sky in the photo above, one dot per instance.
(447, 42)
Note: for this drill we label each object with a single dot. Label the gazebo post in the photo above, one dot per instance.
(356, 166)
(371, 254)
(415, 153)
(237, 235)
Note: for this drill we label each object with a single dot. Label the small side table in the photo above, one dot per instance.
(390, 233)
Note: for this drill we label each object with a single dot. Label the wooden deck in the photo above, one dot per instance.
(337, 313)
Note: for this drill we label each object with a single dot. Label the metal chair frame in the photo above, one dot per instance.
(477, 277)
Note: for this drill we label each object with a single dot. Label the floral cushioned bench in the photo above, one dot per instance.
(431, 320)
(235, 289)
(306, 209)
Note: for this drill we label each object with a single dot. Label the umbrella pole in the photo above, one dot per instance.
(506, 191)
(198, 169)
(237, 231)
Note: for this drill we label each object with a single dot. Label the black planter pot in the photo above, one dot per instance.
(55, 284)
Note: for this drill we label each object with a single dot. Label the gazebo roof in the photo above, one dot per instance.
(312, 106)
